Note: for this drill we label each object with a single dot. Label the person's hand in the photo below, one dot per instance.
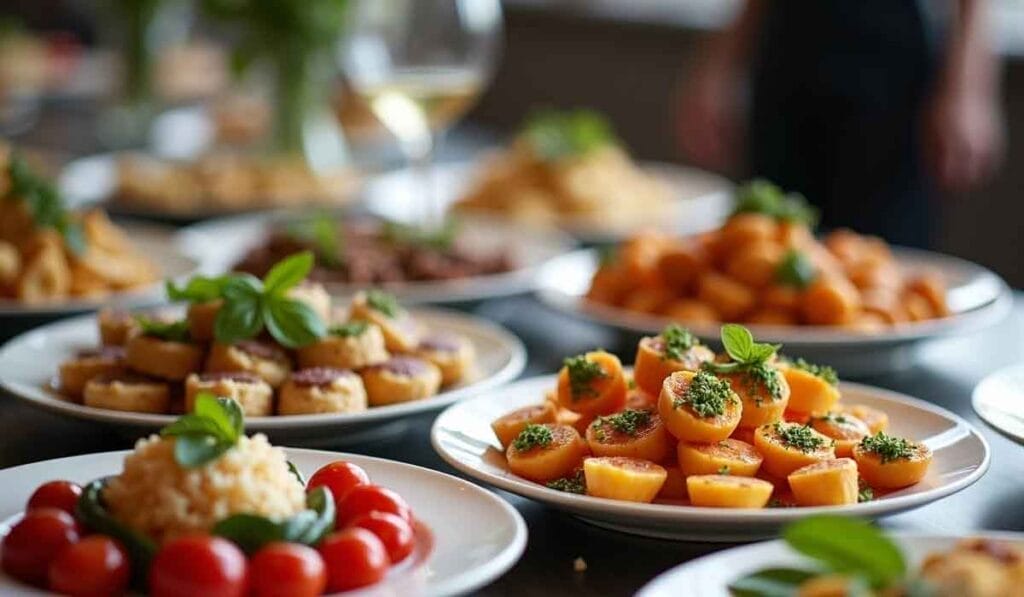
(710, 118)
(964, 138)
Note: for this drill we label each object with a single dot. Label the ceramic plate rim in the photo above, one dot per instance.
(984, 408)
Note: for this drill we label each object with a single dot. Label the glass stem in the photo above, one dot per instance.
(421, 160)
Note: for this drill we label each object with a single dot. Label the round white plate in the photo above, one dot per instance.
(219, 244)
(710, 576)
(977, 296)
(152, 241)
(28, 366)
(999, 400)
(449, 560)
(703, 199)
(462, 436)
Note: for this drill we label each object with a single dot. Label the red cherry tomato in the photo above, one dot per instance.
(62, 495)
(371, 498)
(35, 541)
(94, 567)
(393, 531)
(198, 566)
(287, 570)
(354, 558)
(339, 478)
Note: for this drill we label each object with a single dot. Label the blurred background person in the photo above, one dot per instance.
(868, 107)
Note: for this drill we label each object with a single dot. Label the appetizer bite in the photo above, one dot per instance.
(764, 266)
(203, 509)
(723, 431)
(266, 344)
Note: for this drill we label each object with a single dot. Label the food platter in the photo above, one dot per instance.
(702, 200)
(977, 297)
(710, 576)
(998, 400)
(30, 360)
(447, 561)
(219, 244)
(462, 435)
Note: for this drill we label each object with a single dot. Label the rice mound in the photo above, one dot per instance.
(155, 496)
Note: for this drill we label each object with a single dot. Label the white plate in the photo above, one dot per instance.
(29, 362)
(220, 244)
(152, 241)
(999, 400)
(462, 436)
(977, 296)
(703, 199)
(450, 560)
(710, 576)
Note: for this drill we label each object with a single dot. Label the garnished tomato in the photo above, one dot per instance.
(371, 498)
(354, 558)
(287, 570)
(62, 495)
(35, 541)
(198, 566)
(339, 478)
(96, 566)
(393, 531)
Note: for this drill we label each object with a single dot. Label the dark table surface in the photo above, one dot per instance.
(619, 564)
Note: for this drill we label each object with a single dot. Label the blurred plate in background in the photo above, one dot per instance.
(999, 400)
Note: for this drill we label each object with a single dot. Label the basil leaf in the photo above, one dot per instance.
(295, 471)
(173, 331)
(195, 450)
(191, 425)
(771, 582)
(239, 318)
(309, 527)
(242, 287)
(557, 135)
(225, 413)
(320, 501)
(796, 270)
(737, 341)
(287, 273)
(348, 330)
(848, 545)
(251, 531)
(384, 303)
(764, 197)
(291, 322)
(92, 512)
(197, 290)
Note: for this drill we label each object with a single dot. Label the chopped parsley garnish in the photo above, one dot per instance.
(172, 331)
(347, 330)
(677, 341)
(723, 470)
(801, 437)
(383, 303)
(629, 421)
(707, 395)
(761, 196)
(826, 373)
(749, 358)
(581, 373)
(577, 483)
(533, 436)
(796, 270)
(887, 447)
(866, 494)
(766, 377)
(832, 418)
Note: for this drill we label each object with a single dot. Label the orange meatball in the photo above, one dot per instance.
(691, 311)
(731, 299)
(755, 263)
(680, 265)
(829, 301)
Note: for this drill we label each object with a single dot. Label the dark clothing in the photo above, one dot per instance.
(838, 92)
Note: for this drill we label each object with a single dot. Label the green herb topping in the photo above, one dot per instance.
(629, 421)
(557, 135)
(44, 202)
(796, 270)
(750, 359)
(678, 340)
(441, 239)
(826, 373)
(761, 196)
(801, 437)
(350, 329)
(210, 430)
(383, 303)
(171, 331)
(322, 232)
(707, 395)
(581, 373)
(887, 447)
(533, 436)
(577, 483)
(199, 289)
(866, 494)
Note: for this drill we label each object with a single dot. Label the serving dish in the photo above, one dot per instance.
(999, 401)
(462, 435)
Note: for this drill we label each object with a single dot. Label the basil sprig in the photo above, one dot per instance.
(309, 527)
(92, 512)
(441, 239)
(321, 231)
(212, 429)
(199, 289)
(173, 331)
(44, 203)
(555, 135)
(740, 346)
(763, 197)
(796, 270)
(840, 545)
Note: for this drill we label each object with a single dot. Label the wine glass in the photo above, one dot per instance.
(420, 65)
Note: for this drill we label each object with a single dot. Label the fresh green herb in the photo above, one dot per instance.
(801, 437)
(210, 430)
(761, 196)
(557, 135)
(866, 494)
(887, 447)
(723, 470)
(826, 373)
(770, 582)
(383, 303)
(577, 483)
(309, 527)
(750, 359)
(350, 329)
(796, 269)
(171, 331)
(533, 436)
(44, 202)
(631, 384)
(91, 511)
(199, 289)
(707, 395)
(678, 340)
(581, 373)
(629, 421)
(321, 231)
(832, 417)
(441, 239)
